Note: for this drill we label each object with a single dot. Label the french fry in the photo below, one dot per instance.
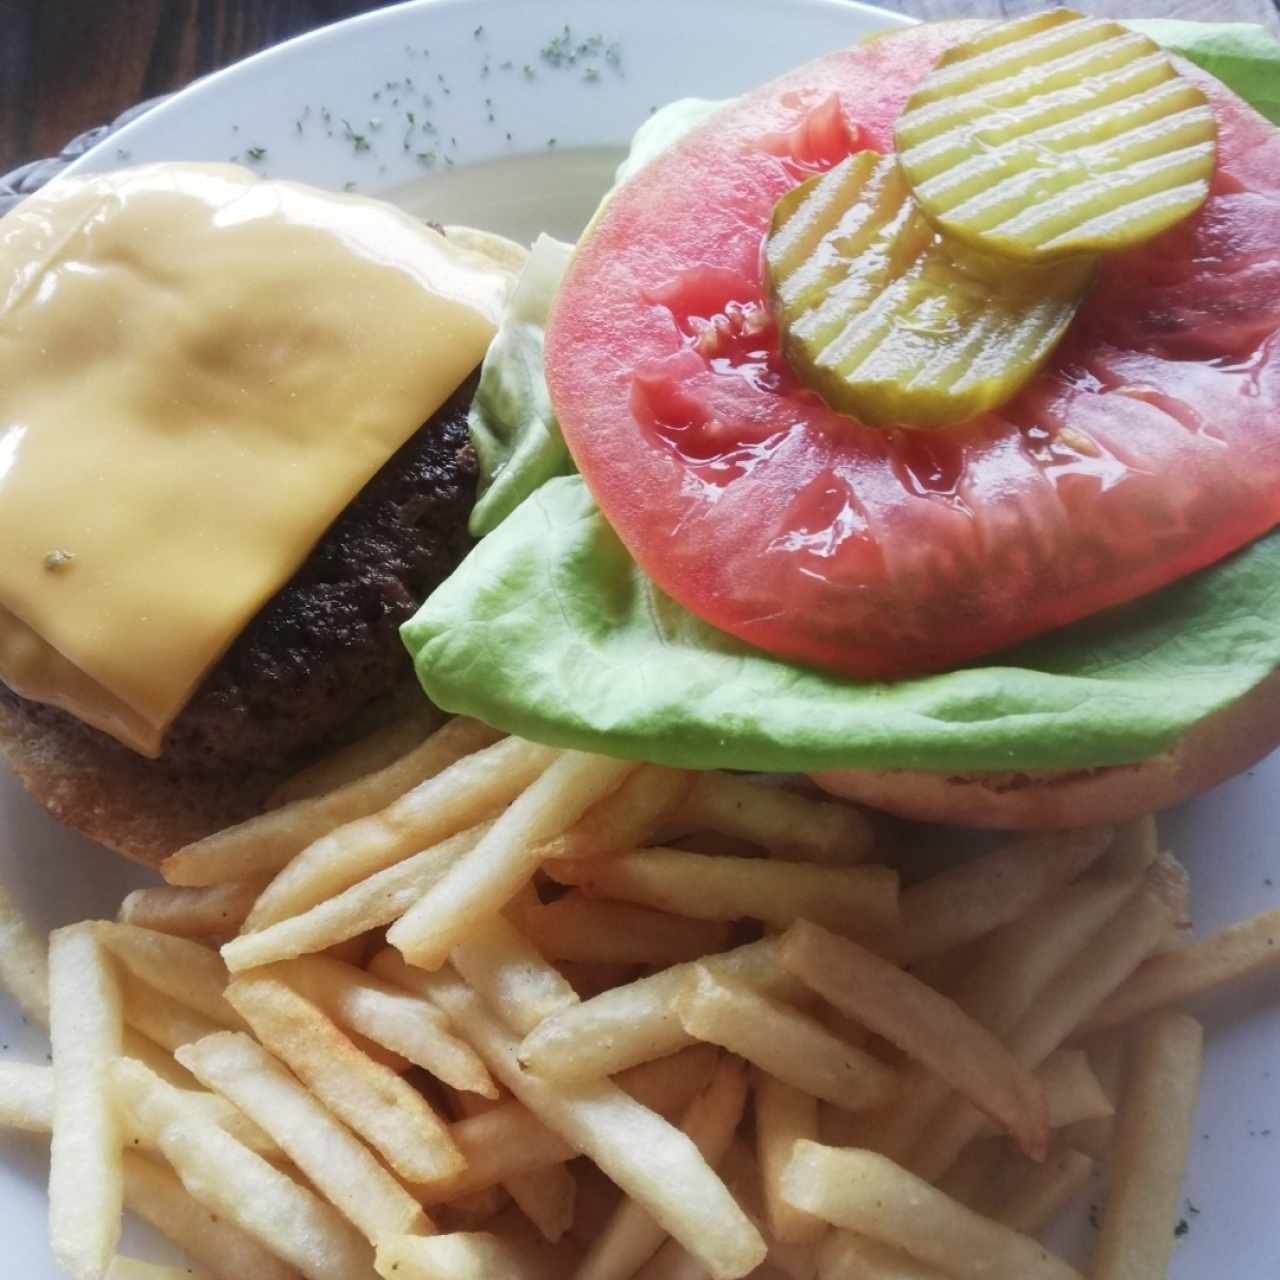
(388, 1016)
(132, 1269)
(512, 978)
(925, 1025)
(846, 1256)
(160, 1018)
(241, 1187)
(546, 1196)
(340, 1167)
(390, 1115)
(977, 1175)
(510, 1140)
(742, 1175)
(780, 1039)
(857, 900)
(265, 844)
(631, 1236)
(668, 1085)
(589, 931)
(1071, 1090)
(506, 1142)
(472, 1212)
(26, 1104)
(192, 974)
(1152, 1139)
(368, 905)
(1044, 1190)
(24, 962)
(463, 1256)
(217, 911)
(483, 882)
(864, 1192)
(627, 818)
(1107, 1055)
(154, 1193)
(1231, 955)
(379, 748)
(790, 826)
(1014, 967)
(636, 1023)
(656, 1164)
(86, 1033)
(26, 1097)
(591, 980)
(1134, 849)
(1114, 952)
(161, 1061)
(710, 842)
(974, 898)
(674, 1262)
(228, 1117)
(783, 1116)
(471, 790)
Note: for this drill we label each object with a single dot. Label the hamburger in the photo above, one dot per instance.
(236, 459)
(1061, 610)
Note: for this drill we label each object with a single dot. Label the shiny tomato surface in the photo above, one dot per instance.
(1149, 447)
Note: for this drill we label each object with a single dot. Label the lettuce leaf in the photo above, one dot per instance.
(1243, 55)
(513, 429)
(550, 630)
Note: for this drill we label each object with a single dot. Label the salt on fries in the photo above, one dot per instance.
(461, 964)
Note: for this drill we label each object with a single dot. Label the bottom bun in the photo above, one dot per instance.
(1221, 746)
(133, 805)
(143, 809)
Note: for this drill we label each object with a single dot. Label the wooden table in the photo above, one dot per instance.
(65, 66)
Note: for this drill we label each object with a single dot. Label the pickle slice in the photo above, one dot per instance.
(1056, 134)
(895, 323)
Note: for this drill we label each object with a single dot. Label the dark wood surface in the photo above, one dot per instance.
(67, 65)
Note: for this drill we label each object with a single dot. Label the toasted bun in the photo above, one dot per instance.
(122, 800)
(1225, 744)
(145, 809)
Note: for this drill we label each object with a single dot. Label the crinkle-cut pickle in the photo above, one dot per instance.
(895, 323)
(1056, 134)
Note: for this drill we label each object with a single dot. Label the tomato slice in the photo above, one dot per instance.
(1149, 447)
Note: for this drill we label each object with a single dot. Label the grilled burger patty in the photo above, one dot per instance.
(327, 645)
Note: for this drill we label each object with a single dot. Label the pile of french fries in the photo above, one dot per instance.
(472, 1008)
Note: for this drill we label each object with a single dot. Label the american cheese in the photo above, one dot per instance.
(199, 370)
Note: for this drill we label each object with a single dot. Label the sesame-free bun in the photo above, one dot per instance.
(1221, 746)
(136, 806)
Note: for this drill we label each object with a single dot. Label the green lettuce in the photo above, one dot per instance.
(1242, 55)
(513, 429)
(550, 630)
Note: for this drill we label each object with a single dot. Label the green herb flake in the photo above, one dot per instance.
(257, 154)
(359, 142)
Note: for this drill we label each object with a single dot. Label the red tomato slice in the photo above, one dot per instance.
(1149, 448)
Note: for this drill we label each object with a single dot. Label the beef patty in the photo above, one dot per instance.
(327, 645)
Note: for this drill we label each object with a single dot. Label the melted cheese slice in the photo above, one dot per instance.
(199, 370)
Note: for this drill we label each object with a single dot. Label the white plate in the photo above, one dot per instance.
(372, 72)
